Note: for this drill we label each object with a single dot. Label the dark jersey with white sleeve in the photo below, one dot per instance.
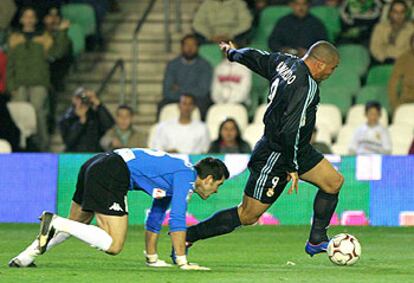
(292, 102)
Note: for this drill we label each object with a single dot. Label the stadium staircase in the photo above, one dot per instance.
(118, 29)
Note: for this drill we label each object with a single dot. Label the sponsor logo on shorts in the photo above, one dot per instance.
(270, 192)
(115, 207)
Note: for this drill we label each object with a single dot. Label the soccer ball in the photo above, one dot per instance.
(344, 249)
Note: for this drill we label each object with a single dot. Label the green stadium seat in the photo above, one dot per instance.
(268, 18)
(81, 14)
(212, 53)
(345, 79)
(374, 92)
(77, 37)
(339, 96)
(330, 18)
(354, 58)
(379, 75)
(258, 93)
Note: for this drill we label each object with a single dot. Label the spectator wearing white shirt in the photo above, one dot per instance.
(371, 138)
(231, 83)
(182, 135)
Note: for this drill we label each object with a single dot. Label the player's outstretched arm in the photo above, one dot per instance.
(256, 60)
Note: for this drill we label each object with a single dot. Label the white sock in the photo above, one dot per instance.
(90, 234)
(27, 256)
(57, 239)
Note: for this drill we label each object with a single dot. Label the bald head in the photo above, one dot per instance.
(323, 51)
(322, 58)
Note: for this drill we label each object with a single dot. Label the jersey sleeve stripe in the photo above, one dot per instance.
(309, 97)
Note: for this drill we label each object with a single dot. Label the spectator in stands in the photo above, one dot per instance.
(229, 140)
(372, 137)
(231, 83)
(188, 73)
(391, 38)
(3, 68)
(358, 18)
(8, 129)
(85, 122)
(28, 76)
(296, 32)
(411, 151)
(182, 135)
(59, 67)
(222, 20)
(401, 85)
(320, 146)
(123, 134)
(7, 11)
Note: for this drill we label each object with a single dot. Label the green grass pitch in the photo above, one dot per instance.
(251, 254)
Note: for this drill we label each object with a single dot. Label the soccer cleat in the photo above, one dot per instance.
(312, 249)
(46, 230)
(15, 263)
(173, 255)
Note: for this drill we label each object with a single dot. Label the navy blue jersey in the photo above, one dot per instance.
(169, 180)
(292, 103)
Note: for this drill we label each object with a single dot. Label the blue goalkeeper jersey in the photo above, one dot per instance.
(169, 180)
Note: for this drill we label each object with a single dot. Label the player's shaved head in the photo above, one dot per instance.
(322, 59)
(324, 51)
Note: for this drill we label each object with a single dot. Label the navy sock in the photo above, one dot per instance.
(323, 209)
(222, 222)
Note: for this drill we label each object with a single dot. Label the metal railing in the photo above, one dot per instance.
(178, 24)
(134, 69)
(119, 64)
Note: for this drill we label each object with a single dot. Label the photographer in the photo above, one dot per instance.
(85, 122)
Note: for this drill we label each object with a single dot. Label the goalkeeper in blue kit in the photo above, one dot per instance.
(101, 191)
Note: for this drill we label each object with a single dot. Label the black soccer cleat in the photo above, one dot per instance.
(15, 263)
(46, 230)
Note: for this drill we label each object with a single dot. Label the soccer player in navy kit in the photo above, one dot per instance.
(101, 191)
(284, 152)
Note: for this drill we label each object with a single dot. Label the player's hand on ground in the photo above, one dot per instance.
(295, 180)
(226, 46)
(158, 263)
(193, 266)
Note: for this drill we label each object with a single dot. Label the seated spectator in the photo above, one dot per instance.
(229, 140)
(372, 137)
(411, 151)
(401, 85)
(391, 38)
(222, 20)
(231, 83)
(123, 134)
(188, 73)
(3, 68)
(296, 32)
(320, 146)
(8, 129)
(7, 11)
(28, 75)
(182, 135)
(85, 122)
(386, 9)
(358, 18)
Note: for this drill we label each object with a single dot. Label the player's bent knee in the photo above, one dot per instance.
(248, 219)
(114, 249)
(334, 185)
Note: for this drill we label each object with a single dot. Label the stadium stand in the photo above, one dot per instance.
(355, 58)
(81, 14)
(374, 92)
(330, 18)
(404, 115)
(24, 115)
(356, 116)
(253, 133)
(328, 117)
(212, 53)
(401, 137)
(77, 36)
(379, 75)
(343, 140)
(219, 112)
(5, 146)
(171, 111)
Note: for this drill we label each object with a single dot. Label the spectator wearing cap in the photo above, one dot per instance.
(372, 137)
(85, 122)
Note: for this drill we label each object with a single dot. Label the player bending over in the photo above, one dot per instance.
(284, 152)
(101, 191)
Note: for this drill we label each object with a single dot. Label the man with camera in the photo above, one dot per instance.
(85, 122)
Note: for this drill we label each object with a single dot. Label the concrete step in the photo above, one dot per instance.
(150, 49)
